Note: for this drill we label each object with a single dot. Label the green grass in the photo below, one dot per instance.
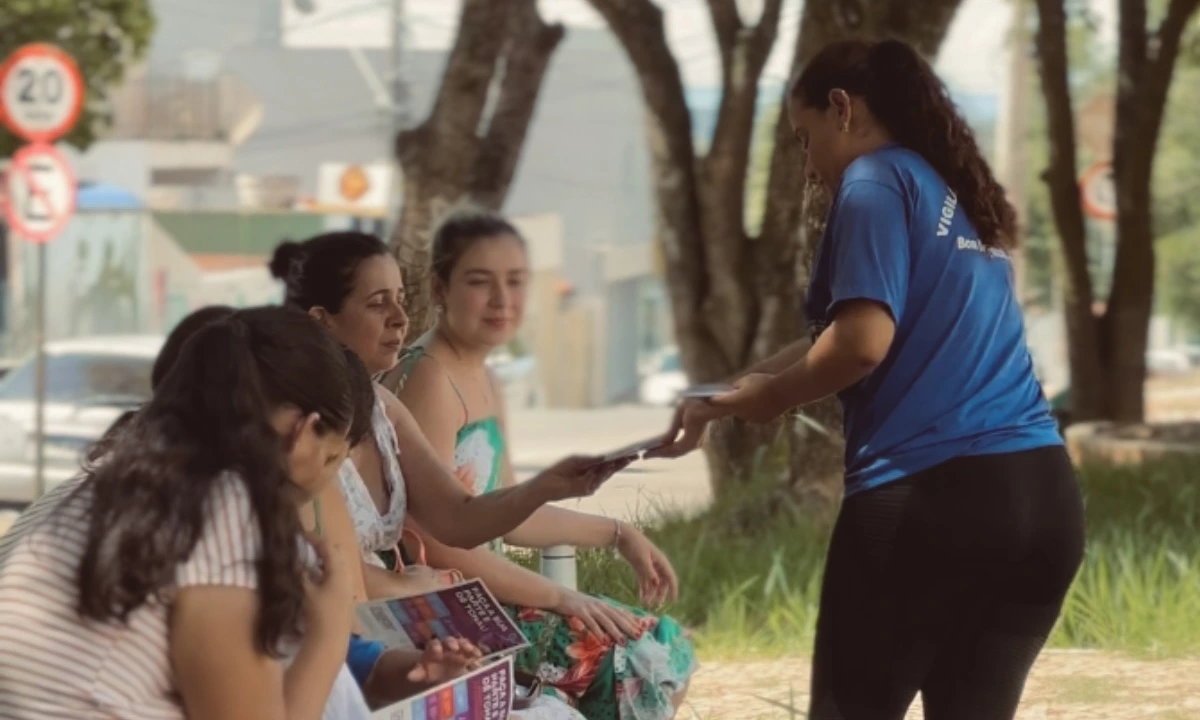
(750, 569)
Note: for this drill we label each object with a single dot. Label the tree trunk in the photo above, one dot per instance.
(734, 295)
(462, 153)
(1107, 354)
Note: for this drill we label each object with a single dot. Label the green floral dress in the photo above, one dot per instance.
(604, 680)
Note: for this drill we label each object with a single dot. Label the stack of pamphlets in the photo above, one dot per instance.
(468, 611)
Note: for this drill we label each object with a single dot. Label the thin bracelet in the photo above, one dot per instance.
(616, 533)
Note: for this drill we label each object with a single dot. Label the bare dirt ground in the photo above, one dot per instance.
(1065, 685)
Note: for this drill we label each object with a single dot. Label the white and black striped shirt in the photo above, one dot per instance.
(53, 663)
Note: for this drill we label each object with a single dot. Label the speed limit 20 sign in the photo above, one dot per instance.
(41, 92)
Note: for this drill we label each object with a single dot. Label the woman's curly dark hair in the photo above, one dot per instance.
(209, 416)
(907, 97)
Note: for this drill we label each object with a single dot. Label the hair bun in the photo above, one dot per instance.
(286, 260)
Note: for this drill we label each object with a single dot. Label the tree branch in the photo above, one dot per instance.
(768, 27)
(639, 27)
(723, 180)
(531, 43)
(444, 157)
(1052, 60)
(1131, 73)
(1082, 326)
(1162, 61)
(727, 25)
(1141, 101)
(458, 108)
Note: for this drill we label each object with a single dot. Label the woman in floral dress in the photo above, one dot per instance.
(611, 661)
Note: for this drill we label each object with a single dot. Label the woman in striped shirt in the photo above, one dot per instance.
(171, 580)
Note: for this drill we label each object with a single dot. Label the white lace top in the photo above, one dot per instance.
(376, 531)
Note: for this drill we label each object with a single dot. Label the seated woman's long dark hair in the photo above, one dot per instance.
(209, 416)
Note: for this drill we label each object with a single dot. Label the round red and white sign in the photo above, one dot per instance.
(1098, 193)
(39, 193)
(41, 92)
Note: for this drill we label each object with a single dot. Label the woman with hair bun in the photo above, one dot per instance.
(351, 285)
(962, 525)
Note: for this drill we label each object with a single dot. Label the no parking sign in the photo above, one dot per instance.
(39, 193)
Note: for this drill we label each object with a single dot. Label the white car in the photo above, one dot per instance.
(519, 378)
(90, 382)
(665, 380)
(1168, 362)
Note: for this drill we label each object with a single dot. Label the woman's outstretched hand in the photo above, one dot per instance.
(691, 418)
(656, 578)
(750, 399)
(579, 475)
(445, 659)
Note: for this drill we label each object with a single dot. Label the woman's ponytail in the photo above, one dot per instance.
(906, 96)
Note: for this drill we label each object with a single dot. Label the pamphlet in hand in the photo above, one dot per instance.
(485, 694)
(466, 610)
(706, 391)
(634, 451)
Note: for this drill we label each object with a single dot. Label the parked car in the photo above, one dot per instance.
(665, 380)
(519, 378)
(1174, 361)
(90, 382)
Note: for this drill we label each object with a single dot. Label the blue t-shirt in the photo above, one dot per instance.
(958, 379)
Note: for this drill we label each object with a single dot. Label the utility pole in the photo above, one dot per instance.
(398, 110)
(1012, 157)
(396, 68)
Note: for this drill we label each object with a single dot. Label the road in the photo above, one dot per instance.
(539, 437)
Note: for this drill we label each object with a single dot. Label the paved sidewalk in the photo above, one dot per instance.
(1065, 685)
(540, 437)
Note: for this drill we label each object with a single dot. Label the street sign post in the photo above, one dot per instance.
(40, 192)
(41, 94)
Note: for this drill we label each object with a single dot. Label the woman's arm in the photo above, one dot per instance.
(508, 581)
(514, 585)
(336, 525)
(851, 347)
(384, 583)
(458, 518)
(222, 676)
(550, 525)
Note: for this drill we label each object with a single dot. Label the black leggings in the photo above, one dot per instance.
(946, 583)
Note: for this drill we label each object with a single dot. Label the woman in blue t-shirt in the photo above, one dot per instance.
(962, 524)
